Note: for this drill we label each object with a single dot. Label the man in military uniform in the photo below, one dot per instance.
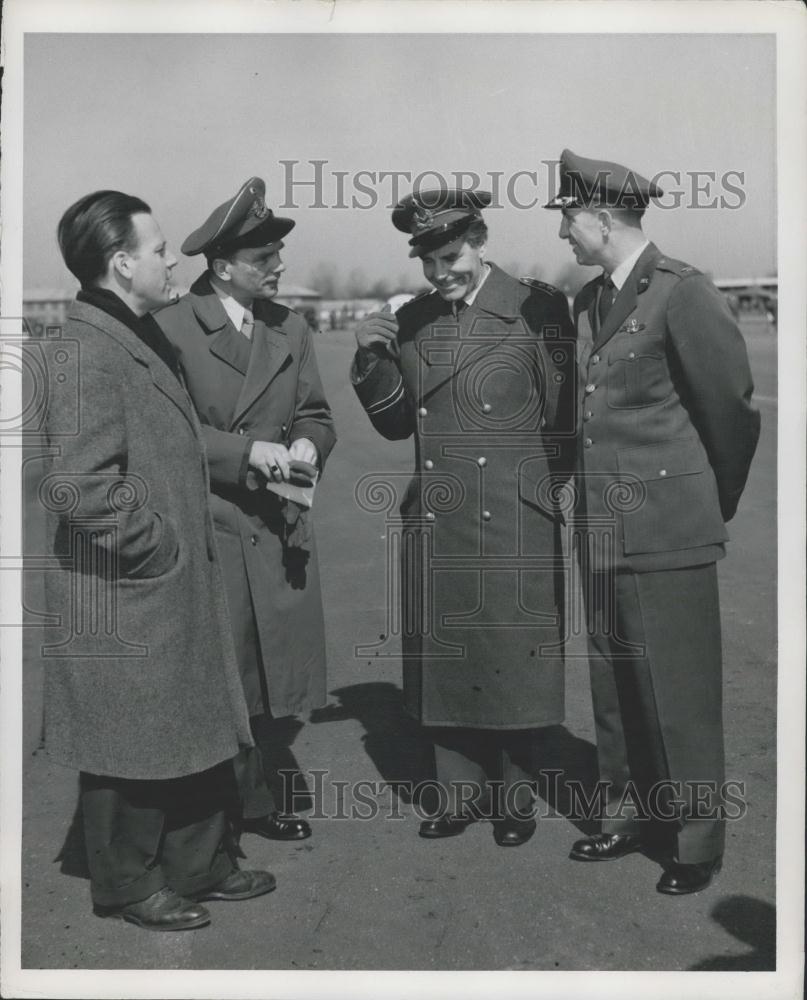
(250, 369)
(480, 371)
(667, 432)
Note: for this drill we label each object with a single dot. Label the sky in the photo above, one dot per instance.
(183, 120)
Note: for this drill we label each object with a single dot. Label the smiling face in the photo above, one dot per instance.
(149, 266)
(583, 228)
(252, 273)
(454, 269)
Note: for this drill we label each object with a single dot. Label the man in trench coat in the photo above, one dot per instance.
(479, 370)
(250, 369)
(667, 434)
(142, 693)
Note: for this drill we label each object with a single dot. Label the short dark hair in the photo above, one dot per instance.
(96, 227)
(477, 233)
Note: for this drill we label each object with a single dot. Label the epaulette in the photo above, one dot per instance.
(676, 267)
(542, 286)
(417, 299)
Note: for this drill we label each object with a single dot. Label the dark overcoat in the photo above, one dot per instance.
(668, 429)
(488, 398)
(268, 389)
(140, 679)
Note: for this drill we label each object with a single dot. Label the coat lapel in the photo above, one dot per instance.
(270, 353)
(162, 376)
(626, 300)
(225, 342)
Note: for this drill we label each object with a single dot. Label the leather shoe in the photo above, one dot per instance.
(511, 832)
(164, 910)
(277, 827)
(679, 880)
(240, 884)
(442, 826)
(605, 846)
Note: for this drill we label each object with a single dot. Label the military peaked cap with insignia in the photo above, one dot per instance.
(598, 183)
(437, 217)
(241, 221)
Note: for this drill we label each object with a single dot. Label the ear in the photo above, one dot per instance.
(605, 220)
(221, 268)
(121, 263)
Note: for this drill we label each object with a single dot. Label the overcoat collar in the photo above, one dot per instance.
(498, 298)
(270, 347)
(637, 282)
(162, 376)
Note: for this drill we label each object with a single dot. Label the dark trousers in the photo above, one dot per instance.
(265, 774)
(144, 835)
(484, 772)
(656, 684)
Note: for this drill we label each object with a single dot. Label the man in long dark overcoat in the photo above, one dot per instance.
(667, 432)
(142, 693)
(250, 369)
(479, 370)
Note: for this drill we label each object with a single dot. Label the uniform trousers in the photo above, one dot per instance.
(656, 684)
(484, 773)
(144, 835)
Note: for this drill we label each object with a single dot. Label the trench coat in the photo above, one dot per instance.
(489, 400)
(668, 429)
(267, 390)
(140, 678)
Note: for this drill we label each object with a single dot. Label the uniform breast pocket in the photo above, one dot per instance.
(638, 374)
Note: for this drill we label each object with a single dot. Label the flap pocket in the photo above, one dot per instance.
(681, 457)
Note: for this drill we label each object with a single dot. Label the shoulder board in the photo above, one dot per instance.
(676, 267)
(542, 286)
(417, 300)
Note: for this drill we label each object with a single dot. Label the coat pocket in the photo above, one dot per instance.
(675, 502)
(638, 374)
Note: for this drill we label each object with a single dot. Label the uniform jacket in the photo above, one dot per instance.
(487, 398)
(266, 390)
(667, 428)
(140, 678)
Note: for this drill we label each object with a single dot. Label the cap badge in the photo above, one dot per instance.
(422, 217)
(258, 207)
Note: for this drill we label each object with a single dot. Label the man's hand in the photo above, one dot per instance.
(379, 331)
(270, 459)
(303, 450)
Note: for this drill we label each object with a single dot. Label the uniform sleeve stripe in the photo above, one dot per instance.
(388, 401)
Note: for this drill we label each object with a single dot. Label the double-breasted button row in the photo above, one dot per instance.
(423, 412)
(486, 515)
(588, 443)
(590, 388)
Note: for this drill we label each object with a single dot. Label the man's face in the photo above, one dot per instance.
(254, 273)
(150, 266)
(582, 227)
(454, 269)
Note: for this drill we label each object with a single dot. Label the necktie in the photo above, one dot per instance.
(458, 307)
(607, 296)
(247, 324)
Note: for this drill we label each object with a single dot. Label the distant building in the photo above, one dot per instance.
(44, 307)
(296, 296)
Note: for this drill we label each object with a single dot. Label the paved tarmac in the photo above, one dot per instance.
(368, 893)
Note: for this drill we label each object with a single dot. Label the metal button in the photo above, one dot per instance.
(481, 461)
(662, 472)
(543, 421)
(422, 411)
(588, 443)
(429, 516)
(588, 415)
(595, 359)
(428, 464)
(240, 430)
(487, 408)
(590, 388)
(631, 355)
(485, 515)
(283, 428)
(254, 539)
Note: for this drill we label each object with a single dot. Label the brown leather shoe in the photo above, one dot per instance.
(605, 846)
(239, 884)
(277, 827)
(680, 880)
(164, 910)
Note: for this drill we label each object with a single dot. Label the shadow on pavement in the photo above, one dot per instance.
(751, 921)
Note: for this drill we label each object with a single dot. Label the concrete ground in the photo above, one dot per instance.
(368, 893)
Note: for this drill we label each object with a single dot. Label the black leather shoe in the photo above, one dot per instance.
(240, 884)
(512, 832)
(277, 827)
(680, 880)
(442, 826)
(164, 910)
(605, 846)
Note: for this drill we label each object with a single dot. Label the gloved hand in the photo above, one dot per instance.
(378, 332)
